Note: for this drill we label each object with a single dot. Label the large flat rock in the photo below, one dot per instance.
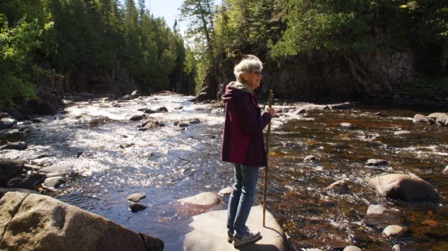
(209, 232)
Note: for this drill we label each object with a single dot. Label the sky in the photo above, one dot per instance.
(168, 9)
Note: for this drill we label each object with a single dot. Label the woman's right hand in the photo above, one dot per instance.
(271, 111)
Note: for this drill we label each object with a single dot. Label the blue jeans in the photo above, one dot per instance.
(241, 199)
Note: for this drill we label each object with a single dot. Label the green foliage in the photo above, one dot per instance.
(201, 34)
(84, 38)
(46, 38)
(17, 46)
(13, 87)
(81, 36)
(324, 24)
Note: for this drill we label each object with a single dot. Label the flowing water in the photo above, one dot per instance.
(113, 158)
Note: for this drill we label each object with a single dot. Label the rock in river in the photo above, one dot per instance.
(403, 187)
(37, 222)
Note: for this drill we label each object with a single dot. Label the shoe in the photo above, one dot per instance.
(230, 237)
(247, 238)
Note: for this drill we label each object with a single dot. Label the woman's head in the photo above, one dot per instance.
(248, 71)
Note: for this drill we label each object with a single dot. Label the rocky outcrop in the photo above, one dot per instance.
(37, 222)
(322, 74)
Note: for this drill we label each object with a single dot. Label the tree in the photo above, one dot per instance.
(200, 14)
(17, 47)
(339, 25)
(430, 23)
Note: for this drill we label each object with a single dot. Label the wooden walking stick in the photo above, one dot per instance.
(271, 95)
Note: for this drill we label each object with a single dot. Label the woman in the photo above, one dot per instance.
(243, 145)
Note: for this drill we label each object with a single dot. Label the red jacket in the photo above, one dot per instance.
(242, 140)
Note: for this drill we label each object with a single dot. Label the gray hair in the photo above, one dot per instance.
(249, 63)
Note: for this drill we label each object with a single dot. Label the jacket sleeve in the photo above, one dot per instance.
(248, 113)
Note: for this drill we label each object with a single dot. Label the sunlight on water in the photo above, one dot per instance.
(114, 158)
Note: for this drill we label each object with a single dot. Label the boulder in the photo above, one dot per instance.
(15, 146)
(38, 222)
(403, 187)
(419, 118)
(6, 123)
(9, 169)
(47, 105)
(4, 190)
(209, 232)
(438, 118)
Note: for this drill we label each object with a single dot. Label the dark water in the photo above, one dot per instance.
(171, 162)
(314, 218)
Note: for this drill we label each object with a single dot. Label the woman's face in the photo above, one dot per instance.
(253, 79)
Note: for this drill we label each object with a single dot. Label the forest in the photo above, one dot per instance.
(116, 46)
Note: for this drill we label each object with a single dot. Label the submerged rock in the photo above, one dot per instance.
(196, 204)
(310, 159)
(339, 187)
(378, 217)
(57, 169)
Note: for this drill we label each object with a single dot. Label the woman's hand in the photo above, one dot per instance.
(271, 111)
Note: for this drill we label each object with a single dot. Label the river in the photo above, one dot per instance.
(178, 156)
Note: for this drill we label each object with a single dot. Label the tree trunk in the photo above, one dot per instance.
(444, 55)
